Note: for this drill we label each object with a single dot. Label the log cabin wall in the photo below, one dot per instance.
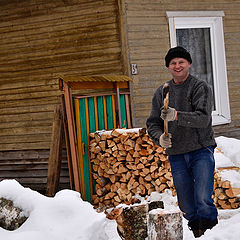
(148, 41)
(41, 40)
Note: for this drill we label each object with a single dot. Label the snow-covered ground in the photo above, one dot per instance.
(67, 217)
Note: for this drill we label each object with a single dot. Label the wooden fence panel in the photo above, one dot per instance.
(86, 109)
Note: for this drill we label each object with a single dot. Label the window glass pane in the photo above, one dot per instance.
(197, 41)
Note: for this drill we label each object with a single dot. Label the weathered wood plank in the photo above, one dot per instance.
(55, 157)
(27, 117)
(25, 130)
(26, 174)
(25, 102)
(40, 138)
(22, 84)
(27, 89)
(33, 154)
(25, 146)
(30, 95)
(27, 109)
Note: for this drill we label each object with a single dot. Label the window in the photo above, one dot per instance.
(201, 33)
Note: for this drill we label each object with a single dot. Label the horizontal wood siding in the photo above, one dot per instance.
(41, 40)
(149, 41)
(30, 167)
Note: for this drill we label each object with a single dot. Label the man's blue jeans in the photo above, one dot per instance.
(193, 176)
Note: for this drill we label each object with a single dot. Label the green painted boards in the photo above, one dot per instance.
(94, 113)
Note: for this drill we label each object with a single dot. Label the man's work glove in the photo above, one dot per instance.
(165, 141)
(169, 115)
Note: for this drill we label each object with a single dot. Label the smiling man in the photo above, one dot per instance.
(179, 68)
(190, 143)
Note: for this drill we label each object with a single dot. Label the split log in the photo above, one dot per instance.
(132, 221)
(163, 224)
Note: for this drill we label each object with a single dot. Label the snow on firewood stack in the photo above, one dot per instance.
(226, 192)
(126, 163)
(226, 180)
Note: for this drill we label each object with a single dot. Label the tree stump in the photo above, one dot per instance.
(11, 217)
(163, 224)
(132, 221)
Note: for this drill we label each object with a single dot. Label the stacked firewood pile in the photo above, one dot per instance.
(225, 196)
(126, 164)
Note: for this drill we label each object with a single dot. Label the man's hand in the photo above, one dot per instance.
(165, 141)
(169, 114)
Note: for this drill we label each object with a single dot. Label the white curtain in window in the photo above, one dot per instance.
(197, 41)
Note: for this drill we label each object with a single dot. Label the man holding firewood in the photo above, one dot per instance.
(183, 126)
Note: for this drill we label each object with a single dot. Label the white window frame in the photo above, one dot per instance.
(212, 20)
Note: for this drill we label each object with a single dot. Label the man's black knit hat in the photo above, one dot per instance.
(177, 52)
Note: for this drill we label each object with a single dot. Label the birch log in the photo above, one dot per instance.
(165, 225)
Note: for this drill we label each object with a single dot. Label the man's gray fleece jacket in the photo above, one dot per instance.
(193, 130)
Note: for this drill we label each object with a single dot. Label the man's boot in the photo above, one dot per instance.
(197, 228)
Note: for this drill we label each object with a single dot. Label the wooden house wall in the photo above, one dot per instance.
(40, 41)
(30, 168)
(148, 42)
